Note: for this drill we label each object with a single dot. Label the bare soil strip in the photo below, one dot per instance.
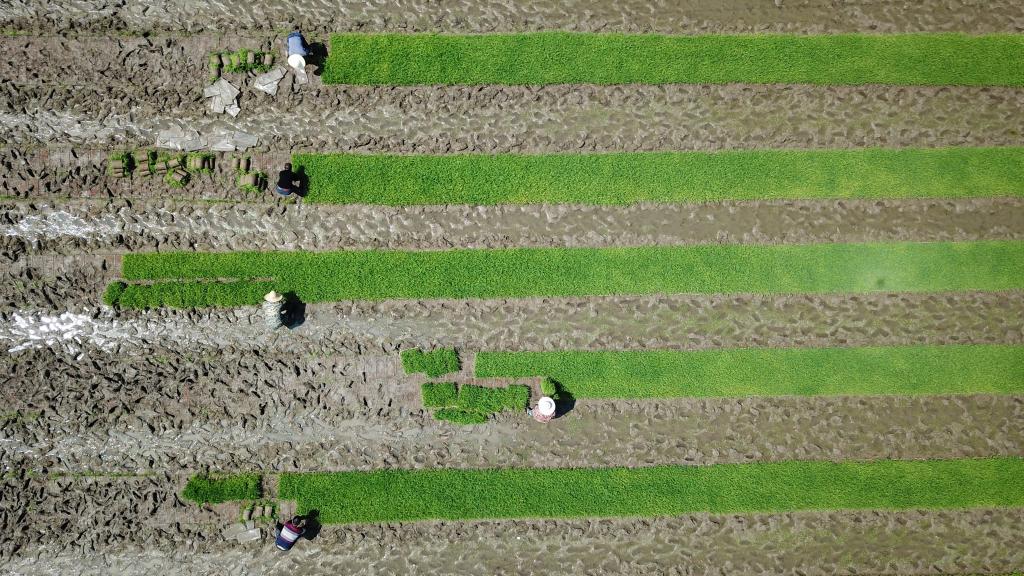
(689, 17)
(557, 118)
(232, 410)
(38, 291)
(121, 226)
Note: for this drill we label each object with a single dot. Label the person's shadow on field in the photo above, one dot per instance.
(294, 313)
(316, 54)
(303, 181)
(312, 525)
(564, 400)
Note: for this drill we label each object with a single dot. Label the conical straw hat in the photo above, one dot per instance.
(546, 406)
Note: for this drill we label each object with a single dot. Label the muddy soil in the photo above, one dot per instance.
(57, 308)
(127, 89)
(527, 119)
(91, 515)
(812, 543)
(98, 227)
(232, 410)
(682, 17)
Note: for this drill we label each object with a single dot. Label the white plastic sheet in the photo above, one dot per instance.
(268, 82)
(222, 96)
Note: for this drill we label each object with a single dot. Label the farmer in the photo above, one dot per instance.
(290, 532)
(544, 411)
(286, 181)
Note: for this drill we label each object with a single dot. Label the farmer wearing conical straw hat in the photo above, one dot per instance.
(544, 411)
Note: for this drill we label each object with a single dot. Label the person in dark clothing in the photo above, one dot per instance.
(286, 181)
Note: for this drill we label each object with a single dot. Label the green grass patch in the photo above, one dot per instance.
(185, 294)
(402, 495)
(468, 404)
(439, 395)
(573, 58)
(434, 363)
(462, 417)
(489, 400)
(967, 369)
(522, 272)
(628, 178)
(219, 488)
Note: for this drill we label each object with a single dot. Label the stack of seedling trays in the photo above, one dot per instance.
(242, 60)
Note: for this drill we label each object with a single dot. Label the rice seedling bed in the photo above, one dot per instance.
(404, 495)
(184, 278)
(667, 177)
(217, 488)
(573, 58)
(967, 369)
(433, 363)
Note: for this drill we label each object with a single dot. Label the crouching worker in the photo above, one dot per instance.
(544, 411)
(286, 181)
(291, 531)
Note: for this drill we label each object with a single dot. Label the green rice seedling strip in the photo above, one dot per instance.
(403, 495)
(186, 294)
(439, 394)
(966, 369)
(434, 363)
(573, 58)
(222, 488)
(666, 177)
(490, 400)
(522, 272)
(457, 416)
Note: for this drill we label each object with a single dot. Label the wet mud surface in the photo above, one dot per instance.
(39, 313)
(229, 410)
(127, 89)
(156, 225)
(812, 543)
(93, 515)
(527, 119)
(682, 17)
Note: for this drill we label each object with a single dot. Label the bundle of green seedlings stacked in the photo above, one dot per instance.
(905, 370)
(628, 178)
(343, 497)
(189, 279)
(469, 404)
(566, 57)
(218, 488)
(241, 60)
(434, 363)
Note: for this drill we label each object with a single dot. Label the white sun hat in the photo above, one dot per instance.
(273, 296)
(296, 61)
(546, 406)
